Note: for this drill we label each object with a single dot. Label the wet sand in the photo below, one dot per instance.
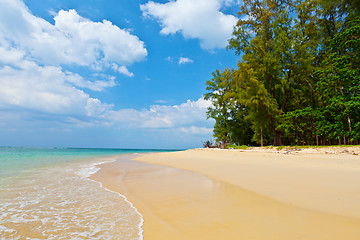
(209, 194)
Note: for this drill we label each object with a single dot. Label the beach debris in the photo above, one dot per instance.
(208, 144)
(292, 150)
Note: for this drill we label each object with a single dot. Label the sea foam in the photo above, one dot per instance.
(62, 202)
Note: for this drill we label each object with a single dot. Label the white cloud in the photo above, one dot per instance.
(97, 85)
(71, 40)
(122, 70)
(27, 86)
(34, 53)
(52, 92)
(163, 116)
(196, 130)
(229, 3)
(161, 101)
(201, 19)
(36, 86)
(183, 60)
(10, 55)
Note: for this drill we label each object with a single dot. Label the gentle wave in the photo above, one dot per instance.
(91, 169)
(62, 202)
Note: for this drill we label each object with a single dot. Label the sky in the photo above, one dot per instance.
(110, 73)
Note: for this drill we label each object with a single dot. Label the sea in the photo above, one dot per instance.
(46, 193)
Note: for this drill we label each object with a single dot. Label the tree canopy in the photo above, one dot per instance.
(298, 79)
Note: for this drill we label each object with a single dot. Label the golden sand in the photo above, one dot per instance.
(210, 194)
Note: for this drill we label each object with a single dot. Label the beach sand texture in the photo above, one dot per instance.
(214, 194)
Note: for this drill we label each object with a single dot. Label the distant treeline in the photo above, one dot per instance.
(298, 80)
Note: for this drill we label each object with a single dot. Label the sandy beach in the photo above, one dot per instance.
(237, 194)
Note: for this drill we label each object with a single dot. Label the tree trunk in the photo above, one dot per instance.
(303, 139)
(262, 139)
(349, 122)
(277, 140)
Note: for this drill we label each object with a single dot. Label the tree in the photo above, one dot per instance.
(274, 75)
(340, 80)
(298, 80)
(336, 81)
(230, 124)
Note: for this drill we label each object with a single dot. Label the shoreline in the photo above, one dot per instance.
(60, 200)
(213, 194)
(95, 167)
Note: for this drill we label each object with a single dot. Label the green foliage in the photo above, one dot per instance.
(232, 146)
(339, 82)
(230, 124)
(278, 43)
(298, 80)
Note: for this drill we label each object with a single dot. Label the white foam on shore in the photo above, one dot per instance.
(60, 203)
(91, 169)
(87, 170)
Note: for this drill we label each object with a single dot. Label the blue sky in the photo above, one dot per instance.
(114, 73)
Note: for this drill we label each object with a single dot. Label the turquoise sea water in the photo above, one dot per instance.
(46, 194)
(16, 160)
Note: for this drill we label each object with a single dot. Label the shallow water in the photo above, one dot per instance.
(46, 194)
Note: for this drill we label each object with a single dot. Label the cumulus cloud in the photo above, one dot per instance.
(97, 85)
(45, 89)
(122, 70)
(201, 19)
(28, 86)
(183, 60)
(229, 3)
(164, 116)
(36, 83)
(34, 55)
(71, 40)
(197, 130)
